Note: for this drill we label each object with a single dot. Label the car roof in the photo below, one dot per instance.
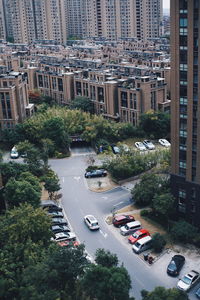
(48, 203)
(121, 217)
(145, 239)
(141, 230)
(192, 273)
(91, 217)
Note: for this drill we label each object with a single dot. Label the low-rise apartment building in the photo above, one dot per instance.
(14, 102)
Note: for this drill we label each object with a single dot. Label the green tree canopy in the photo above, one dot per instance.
(161, 293)
(183, 231)
(51, 183)
(155, 124)
(21, 191)
(163, 204)
(82, 103)
(106, 258)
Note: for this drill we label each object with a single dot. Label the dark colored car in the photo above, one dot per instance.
(50, 205)
(175, 265)
(122, 220)
(96, 173)
(59, 221)
(60, 228)
(55, 214)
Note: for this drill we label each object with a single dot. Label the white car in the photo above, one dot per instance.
(188, 281)
(91, 222)
(64, 236)
(140, 146)
(164, 142)
(14, 153)
(149, 145)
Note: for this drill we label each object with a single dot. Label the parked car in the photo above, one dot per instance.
(198, 293)
(115, 149)
(96, 173)
(50, 205)
(125, 148)
(188, 281)
(149, 145)
(121, 220)
(175, 265)
(67, 243)
(164, 142)
(14, 153)
(59, 221)
(143, 244)
(140, 146)
(55, 214)
(64, 236)
(136, 236)
(130, 227)
(60, 228)
(91, 222)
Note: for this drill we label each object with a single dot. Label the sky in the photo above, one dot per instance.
(166, 3)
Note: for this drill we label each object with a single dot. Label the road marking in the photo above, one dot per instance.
(105, 198)
(104, 234)
(63, 179)
(119, 203)
(77, 178)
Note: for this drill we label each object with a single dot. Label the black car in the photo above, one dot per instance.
(60, 228)
(50, 205)
(175, 265)
(59, 221)
(96, 173)
(55, 214)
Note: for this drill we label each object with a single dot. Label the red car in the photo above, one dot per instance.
(122, 220)
(139, 234)
(67, 243)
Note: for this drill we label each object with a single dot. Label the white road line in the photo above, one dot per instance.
(105, 198)
(77, 178)
(104, 234)
(63, 179)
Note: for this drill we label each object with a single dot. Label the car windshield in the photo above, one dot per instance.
(186, 280)
(95, 224)
(136, 235)
(126, 226)
(172, 266)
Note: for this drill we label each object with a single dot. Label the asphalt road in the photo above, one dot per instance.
(78, 201)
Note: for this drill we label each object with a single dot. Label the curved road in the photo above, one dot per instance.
(78, 201)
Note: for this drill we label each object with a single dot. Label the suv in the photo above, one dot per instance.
(91, 222)
(136, 236)
(122, 220)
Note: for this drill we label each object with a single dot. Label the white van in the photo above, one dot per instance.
(130, 227)
(14, 153)
(142, 245)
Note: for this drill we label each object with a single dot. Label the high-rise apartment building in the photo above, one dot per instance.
(124, 18)
(2, 21)
(29, 20)
(75, 17)
(185, 107)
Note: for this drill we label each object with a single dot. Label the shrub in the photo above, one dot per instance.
(91, 168)
(183, 231)
(158, 242)
(61, 155)
(144, 213)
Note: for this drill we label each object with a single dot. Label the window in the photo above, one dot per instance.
(183, 22)
(183, 31)
(60, 85)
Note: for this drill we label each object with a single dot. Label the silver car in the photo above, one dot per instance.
(91, 222)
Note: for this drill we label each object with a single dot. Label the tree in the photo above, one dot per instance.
(160, 293)
(144, 191)
(51, 183)
(33, 180)
(163, 204)
(82, 103)
(106, 258)
(106, 283)
(21, 191)
(184, 232)
(155, 124)
(32, 156)
(58, 274)
(25, 234)
(158, 242)
(12, 169)
(54, 130)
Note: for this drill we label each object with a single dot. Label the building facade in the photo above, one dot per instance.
(30, 20)
(2, 21)
(185, 108)
(14, 103)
